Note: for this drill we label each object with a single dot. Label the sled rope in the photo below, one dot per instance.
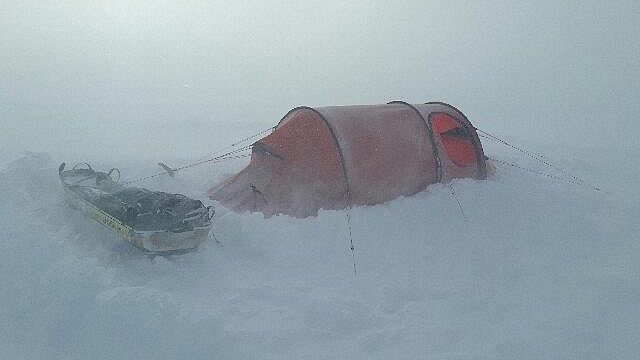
(217, 159)
(221, 157)
(241, 141)
(537, 172)
(211, 158)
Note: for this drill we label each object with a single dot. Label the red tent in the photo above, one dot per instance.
(334, 157)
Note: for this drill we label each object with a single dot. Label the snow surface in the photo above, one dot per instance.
(542, 270)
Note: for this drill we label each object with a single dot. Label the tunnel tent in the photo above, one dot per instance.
(339, 156)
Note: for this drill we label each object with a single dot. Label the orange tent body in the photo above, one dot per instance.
(336, 157)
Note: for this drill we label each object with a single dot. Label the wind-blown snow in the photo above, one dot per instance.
(542, 270)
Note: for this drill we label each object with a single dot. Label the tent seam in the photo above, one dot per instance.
(335, 140)
(436, 153)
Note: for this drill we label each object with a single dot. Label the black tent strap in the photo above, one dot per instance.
(537, 172)
(353, 249)
(530, 154)
(455, 196)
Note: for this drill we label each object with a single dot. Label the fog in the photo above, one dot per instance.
(84, 79)
(523, 265)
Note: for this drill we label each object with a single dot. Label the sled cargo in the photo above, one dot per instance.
(153, 221)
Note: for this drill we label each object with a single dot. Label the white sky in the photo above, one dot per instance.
(124, 76)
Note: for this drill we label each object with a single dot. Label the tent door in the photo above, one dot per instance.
(455, 139)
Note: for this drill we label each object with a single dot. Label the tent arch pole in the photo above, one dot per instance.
(464, 121)
(335, 141)
(436, 154)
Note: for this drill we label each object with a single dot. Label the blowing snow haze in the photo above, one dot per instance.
(541, 268)
(85, 79)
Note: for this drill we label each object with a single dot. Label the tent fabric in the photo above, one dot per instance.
(339, 156)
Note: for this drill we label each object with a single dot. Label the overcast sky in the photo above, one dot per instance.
(126, 76)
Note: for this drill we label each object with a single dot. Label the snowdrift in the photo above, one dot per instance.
(542, 269)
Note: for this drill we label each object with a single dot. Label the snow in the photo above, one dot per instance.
(542, 270)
